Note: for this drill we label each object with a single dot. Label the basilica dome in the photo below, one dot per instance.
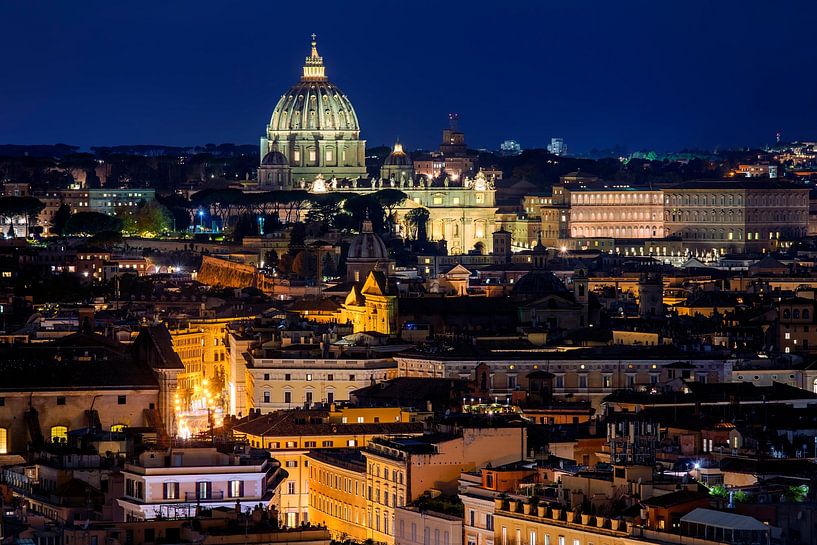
(316, 129)
(314, 104)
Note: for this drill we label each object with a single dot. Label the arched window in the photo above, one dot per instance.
(59, 434)
(786, 314)
(806, 314)
(795, 314)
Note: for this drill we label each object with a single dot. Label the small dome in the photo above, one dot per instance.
(539, 283)
(398, 158)
(274, 158)
(367, 245)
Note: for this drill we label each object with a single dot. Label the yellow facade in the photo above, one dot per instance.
(369, 308)
(337, 495)
(292, 451)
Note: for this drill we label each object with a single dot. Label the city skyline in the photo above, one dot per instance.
(183, 87)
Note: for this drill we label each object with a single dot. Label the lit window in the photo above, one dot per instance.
(4, 441)
(118, 428)
(329, 155)
(236, 489)
(59, 434)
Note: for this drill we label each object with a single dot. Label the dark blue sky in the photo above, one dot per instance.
(660, 75)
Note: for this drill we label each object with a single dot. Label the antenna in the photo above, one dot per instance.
(453, 121)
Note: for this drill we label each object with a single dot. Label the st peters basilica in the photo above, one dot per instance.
(313, 142)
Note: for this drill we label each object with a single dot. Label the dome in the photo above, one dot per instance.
(367, 245)
(398, 158)
(274, 158)
(539, 283)
(314, 103)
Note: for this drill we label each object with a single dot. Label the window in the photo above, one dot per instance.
(118, 428)
(4, 441)
(290, 487)
(121, 400)
(266, 376)
(312, 155)
(59, 434)
(266, 397)
(330, 376)
(489, 522)
(582, 381)
(171, 491)
(236, 489)
(287, 397)
(310, 444)
(309, 398)
(327, 444)
(287, 377)
(351, 378)
(292, 463)
(60, 400)
(292, 444)
(329, 155)
(204, 490)
(308, 377)
(351, 443)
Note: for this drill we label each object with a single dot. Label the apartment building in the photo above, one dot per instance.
(169, 484)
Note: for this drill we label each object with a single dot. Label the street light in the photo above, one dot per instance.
(201, 219)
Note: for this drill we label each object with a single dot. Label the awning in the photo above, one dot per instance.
(721, 519)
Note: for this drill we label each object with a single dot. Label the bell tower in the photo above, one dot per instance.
(581, 295)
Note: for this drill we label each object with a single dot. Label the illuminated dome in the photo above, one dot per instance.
(314, 103)
(398, 166)
(398, 157)
(316, 128)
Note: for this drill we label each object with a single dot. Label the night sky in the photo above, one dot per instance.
(647, 75)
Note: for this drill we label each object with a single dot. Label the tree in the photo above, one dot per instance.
(361, 206)
(297, 237)
(91, 223)
(61, 217)
(417, 220)
(106, 239)
(390, 199)
(328, 269)
(271, 259)
(15, 207)
(305, 264)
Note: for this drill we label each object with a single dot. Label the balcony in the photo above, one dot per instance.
(195, 497)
